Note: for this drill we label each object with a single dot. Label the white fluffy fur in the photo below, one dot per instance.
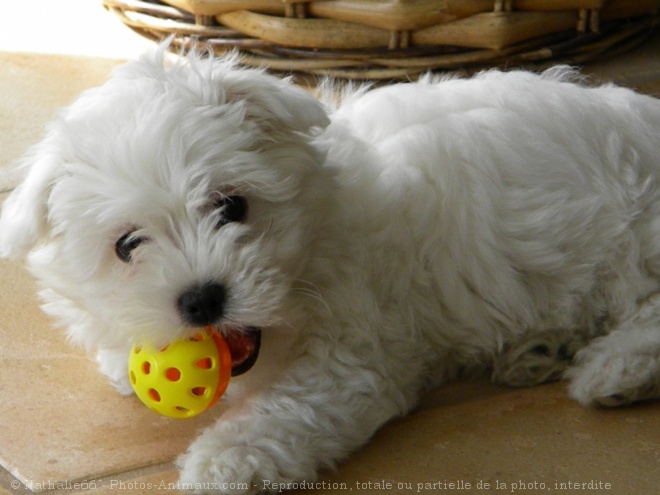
(415, 232)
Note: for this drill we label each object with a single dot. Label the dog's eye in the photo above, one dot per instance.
(232, 209)
(126, 244)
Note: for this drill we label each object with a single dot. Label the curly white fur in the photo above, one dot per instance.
(412, 233)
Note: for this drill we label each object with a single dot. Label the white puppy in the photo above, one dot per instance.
(414, 233)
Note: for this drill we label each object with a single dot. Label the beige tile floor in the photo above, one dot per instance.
(60, 422)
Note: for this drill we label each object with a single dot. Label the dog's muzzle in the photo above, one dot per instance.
(203, 306)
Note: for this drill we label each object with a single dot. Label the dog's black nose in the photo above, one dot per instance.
(202, 305)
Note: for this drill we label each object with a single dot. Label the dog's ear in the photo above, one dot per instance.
(281, 104)
(23, 219)
(275, 102)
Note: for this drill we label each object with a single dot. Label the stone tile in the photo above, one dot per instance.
(10, 485)
(38, 86)
(161, 479)
(488, 436)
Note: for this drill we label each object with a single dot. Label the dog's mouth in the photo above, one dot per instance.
(244, 344)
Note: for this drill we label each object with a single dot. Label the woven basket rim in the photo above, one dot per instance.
(157, 20)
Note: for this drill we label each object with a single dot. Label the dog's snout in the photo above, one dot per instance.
(202, 305)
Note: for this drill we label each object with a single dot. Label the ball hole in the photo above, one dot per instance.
(173, 374)
(153, 393)
(133, 379)
(199, 391)
(146, 367)
(182, 409)
(204, 363)
(137, 350)
(164, 348)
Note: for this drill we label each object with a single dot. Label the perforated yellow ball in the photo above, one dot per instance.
(184, 378)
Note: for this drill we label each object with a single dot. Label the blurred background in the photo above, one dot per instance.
(66, 27)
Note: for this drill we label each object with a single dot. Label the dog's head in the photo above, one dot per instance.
(177, 195)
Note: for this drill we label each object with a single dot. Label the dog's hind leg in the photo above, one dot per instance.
(624, 366)
(537, 357)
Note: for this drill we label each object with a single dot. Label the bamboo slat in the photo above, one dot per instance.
(309, 33)
(496, 30)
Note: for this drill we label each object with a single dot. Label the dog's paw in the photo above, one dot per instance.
(114, 365)
(537, 358)
(233, 471)
(611, 379)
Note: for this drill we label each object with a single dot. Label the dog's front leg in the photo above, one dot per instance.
(113, 363)
(329, 403)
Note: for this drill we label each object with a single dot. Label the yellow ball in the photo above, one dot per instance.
(184, 378)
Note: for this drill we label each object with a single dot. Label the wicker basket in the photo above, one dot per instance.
(378, 39)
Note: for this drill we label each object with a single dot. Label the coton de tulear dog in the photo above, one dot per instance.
(508, 223)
